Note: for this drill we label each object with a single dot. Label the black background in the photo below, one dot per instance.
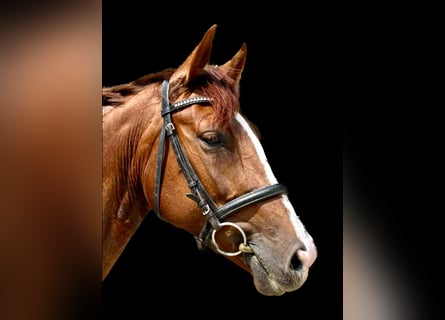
(286, 90)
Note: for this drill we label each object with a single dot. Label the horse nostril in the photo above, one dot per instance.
(295, 263)
(304, 258)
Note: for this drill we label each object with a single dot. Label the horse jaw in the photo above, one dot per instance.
(269, 285)
(273, 278)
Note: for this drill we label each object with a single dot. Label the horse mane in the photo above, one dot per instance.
(118, 95)
(213, 83)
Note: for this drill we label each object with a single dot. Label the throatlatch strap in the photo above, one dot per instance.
(160, 157)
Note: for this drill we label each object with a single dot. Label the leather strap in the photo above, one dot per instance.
(198, 193)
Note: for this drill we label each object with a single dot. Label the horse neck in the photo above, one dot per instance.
(124, 204)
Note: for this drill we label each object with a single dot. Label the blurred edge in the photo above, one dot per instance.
(388, 252)
(50, 123)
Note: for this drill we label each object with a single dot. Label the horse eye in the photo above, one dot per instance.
(211, 138)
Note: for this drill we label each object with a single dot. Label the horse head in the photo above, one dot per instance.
(200, 166)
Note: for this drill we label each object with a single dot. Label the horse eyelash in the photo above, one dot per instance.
(212, 142)
(212, 138)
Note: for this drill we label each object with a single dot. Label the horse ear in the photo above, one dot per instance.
(198, 59)
(235, 66)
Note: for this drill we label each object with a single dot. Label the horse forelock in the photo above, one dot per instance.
(224, 92)
(215, 84)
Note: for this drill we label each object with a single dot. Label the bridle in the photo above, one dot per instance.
(214, 215)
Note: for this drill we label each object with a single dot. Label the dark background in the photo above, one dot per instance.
(287, 89)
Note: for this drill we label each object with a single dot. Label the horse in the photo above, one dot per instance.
(176, 144)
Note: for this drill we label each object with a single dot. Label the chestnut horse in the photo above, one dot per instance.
(176, 143)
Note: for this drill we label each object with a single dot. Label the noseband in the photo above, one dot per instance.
(214, 214)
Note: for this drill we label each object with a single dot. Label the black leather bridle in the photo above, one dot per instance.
(214, 215)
